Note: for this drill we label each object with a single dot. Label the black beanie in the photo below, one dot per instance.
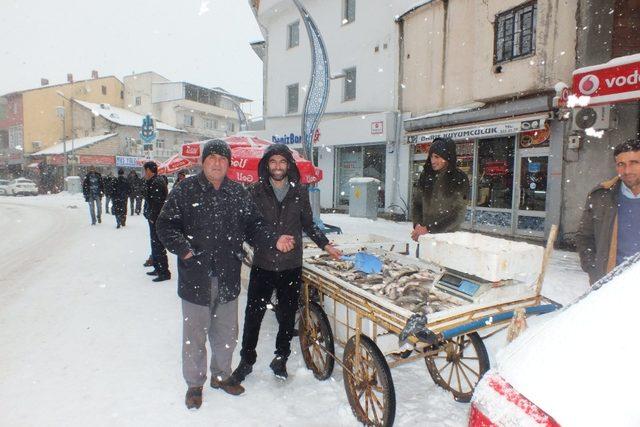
(445, 148)
(216, 146)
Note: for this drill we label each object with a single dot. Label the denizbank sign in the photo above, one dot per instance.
(479, 130)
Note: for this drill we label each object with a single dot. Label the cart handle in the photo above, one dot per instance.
(494, 319)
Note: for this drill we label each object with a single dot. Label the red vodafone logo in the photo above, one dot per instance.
(589, 84)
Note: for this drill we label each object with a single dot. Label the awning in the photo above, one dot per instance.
(486, 129)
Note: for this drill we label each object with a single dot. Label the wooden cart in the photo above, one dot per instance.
(455, 354)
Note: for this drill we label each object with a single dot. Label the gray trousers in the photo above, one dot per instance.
(220, 323)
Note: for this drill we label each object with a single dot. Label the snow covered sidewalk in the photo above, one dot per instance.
(86, 336)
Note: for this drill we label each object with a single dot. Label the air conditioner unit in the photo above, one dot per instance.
(598, 118)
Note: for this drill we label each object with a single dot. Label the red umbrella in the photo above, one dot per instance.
(246, 152)
(174, 164)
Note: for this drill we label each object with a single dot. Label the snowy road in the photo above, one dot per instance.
(86, 337)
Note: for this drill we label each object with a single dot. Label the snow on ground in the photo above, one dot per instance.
(87, 337)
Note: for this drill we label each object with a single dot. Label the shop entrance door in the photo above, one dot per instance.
(532, 192)
(359, 161)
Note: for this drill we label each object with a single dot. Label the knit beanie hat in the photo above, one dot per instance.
(216, 146)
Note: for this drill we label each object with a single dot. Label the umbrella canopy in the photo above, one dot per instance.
(174, 164)
(246, 152)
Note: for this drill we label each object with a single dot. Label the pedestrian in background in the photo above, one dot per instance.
(155, 196)
(179, 177)
(92, 189)
(108, 183)
(135, 198)
(121, 192)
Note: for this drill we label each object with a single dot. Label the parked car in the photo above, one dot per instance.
(22, 186)
(576, 369)
(3, 186)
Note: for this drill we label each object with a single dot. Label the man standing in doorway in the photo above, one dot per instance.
(284, 203)
(610, 226)
(439, 198)
(155, 196)
(92, 190)
(205, 221)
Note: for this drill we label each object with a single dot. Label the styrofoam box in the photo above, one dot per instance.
(486, 257)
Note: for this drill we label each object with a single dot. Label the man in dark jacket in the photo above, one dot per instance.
(155, 196)
(92, 190)
(439, 198)
(610, 226)
(204, 222)
(284, 203)
(108, 183)
(135, 198)
(121, 191)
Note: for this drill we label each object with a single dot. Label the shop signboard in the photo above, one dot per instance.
(129, 161)
(487, 130)
(97, 160)
(615, 81)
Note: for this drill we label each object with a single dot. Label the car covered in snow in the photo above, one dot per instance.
(576, 369)
(3, 186)
(22, 186)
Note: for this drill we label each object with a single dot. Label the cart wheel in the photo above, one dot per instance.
(459, 365)
(369, 386)
(313, 338)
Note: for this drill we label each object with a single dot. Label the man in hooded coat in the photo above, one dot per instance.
(284, 203)
(440, 196)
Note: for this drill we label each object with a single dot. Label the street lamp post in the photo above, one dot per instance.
(70, 101)
(61, 114)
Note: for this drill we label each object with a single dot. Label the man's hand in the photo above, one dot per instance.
(334, 252)
(285, 243)
(187, 256)
(418, 231)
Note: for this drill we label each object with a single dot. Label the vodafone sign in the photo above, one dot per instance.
(616, 81)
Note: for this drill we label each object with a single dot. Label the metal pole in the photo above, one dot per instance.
(73, 152)
(64, 150)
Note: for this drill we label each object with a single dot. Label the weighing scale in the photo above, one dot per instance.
(463, 286)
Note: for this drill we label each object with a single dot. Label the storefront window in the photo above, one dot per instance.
(464, 150)
(360, 162)
(533, 183)
(495, 172)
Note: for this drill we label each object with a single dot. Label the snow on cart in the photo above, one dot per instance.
(388, 308)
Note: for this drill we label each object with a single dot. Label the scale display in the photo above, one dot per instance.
(458, 285)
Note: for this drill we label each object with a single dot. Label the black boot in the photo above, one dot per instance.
(162, 277)
(148, 262)
(279, 367)
(241, 372)
(152, 273)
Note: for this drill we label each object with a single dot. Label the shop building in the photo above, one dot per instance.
(492, 88)
(199, 111)
(358, 135)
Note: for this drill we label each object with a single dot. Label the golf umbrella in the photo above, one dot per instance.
(246, 152)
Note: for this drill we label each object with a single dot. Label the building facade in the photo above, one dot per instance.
(43, 119)
(11, 135)
(358, 134)
(490, 85)
(201, 112)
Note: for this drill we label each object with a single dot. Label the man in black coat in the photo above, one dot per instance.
(155, 196)
(121, 191)
(135, 198)
(284, 203)
(92, 189)
(440, 195)
(108, 183)
(205, 221)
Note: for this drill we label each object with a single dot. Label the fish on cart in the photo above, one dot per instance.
(405, 285)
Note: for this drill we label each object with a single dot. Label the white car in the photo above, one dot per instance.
(22, 186)
(576, 369)
(3, 186)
